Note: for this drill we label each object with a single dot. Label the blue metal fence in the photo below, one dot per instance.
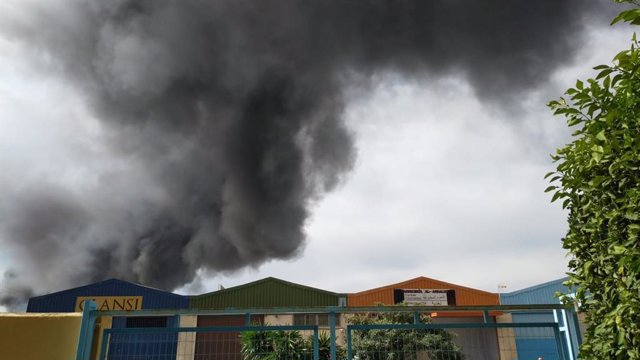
(164, 343)
(436, 352)
(482, 340)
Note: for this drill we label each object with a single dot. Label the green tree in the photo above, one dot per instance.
(285, 345)
(399, 344)
(598, 180)
(274, 345)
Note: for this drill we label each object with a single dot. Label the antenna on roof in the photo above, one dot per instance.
(501, 286)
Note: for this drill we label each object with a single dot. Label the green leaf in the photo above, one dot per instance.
(601, 136)
(617, 250)
(604, 73)
(597, 156)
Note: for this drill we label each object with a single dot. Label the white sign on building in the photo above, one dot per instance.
(426, 297)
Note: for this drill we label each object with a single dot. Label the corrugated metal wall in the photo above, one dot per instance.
(153, 345)
(266, 293)
(534, 343)
(221, 345)
(384, 295)
(65, 301)
(538, 294)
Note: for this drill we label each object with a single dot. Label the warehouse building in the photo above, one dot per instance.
(535, 343)
(114, 294)
(287, 303)
(266, 293)
(430, 292)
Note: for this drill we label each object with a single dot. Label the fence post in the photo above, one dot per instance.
(485, 317)
(316, 346)
(349, 350)
(332, 334)
(560, 345)
(86, 330)
(576, 325)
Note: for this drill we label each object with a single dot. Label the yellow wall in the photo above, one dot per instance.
(39, 336)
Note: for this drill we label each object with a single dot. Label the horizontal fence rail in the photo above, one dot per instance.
(332, 309)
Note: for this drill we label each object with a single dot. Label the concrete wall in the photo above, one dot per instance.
(287, 319)
(39, 336)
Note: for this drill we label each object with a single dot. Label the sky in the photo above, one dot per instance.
(444, 187)
(446, 181)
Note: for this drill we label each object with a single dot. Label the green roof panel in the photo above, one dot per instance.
(266, 293)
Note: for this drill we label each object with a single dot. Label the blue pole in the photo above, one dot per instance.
(247, 319)
(416, 317)
(562, 350)
(332, 334)
(576, 325)
(103, 346)
(349, 350)
(316, 346)
(86, 330)
(485, 316)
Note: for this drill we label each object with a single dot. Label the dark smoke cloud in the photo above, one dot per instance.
(228, 115)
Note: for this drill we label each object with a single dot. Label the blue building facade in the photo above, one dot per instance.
(534, 343)
(114, 294)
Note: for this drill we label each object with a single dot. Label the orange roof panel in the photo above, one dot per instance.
(465, 296)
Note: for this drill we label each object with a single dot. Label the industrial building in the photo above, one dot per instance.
(536, 343)
(114, 294)
(430, 292)
(262, 294)
(287, 303)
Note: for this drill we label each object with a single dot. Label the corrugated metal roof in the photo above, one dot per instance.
(266, 293)
(544, 293)
(384, 294)
(65, 301)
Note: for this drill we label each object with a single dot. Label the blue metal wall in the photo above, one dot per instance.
(530, 344)
(65, 301)
(153, 345)
(538, 294)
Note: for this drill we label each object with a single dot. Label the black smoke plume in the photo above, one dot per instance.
(228, 116)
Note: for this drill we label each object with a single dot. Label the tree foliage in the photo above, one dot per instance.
(598, 181)
(399, 344)
(285, 345)
(273, 345)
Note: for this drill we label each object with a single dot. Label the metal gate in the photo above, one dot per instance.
(210, 343)
(347, 334)
(443, 341)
